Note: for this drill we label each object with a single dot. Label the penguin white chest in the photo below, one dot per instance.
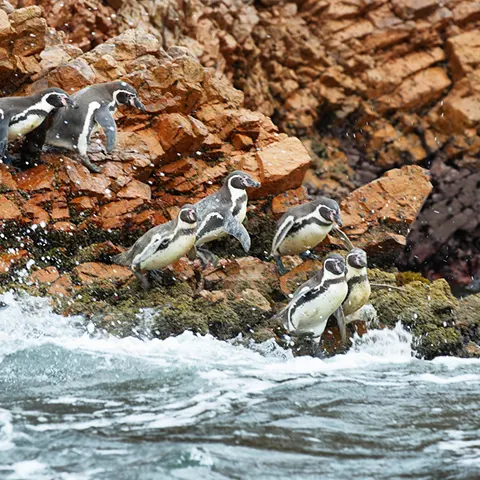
(304, 239)
(21, 128)
(172, 253)
(312, 315)
(357, 297)
(239, 202)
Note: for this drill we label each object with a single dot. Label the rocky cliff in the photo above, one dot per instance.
(377, 91)
(368, 85)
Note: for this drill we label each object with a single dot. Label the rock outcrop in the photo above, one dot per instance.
(445, 240)
(373, 91)
(368, 86)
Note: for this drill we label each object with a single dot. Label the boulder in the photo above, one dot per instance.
(379, 214)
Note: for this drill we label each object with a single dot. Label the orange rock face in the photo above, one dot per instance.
(94, 272)
(369, 87)
(380, 213)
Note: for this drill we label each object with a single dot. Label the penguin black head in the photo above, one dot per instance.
(57, 98)
(188, 214)
(329, 210)
(125, 94)
(357, 258)
(335, 264)
(241, 180)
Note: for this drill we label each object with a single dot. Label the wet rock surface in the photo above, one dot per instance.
(371, 103)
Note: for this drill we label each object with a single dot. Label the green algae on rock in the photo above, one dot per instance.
(429, 311)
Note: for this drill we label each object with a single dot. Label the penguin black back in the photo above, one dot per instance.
(72, 129)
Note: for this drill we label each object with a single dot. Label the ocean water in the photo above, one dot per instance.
(77, 404)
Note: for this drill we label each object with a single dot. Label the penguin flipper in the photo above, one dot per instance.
(33, 143)
(104, 118)
(234, 228)
(91, 167)
(3, 136)
(282, 231)
(340, 316)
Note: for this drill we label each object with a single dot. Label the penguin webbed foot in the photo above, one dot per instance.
(157, 275)
(206, 257)
(308, 255)
(317, 351)
(15, 163)
(143, 278)
(91, 167)
(280, 266)
(199, 283)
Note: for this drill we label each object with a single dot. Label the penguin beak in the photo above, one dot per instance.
(135, 102)
(250, 182)
(337, 219)
(191, 215)
(68, 102)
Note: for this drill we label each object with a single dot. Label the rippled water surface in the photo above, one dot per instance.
(76, 406)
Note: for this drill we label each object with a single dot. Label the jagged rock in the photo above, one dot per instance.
(93, 272)
(8, 209)
(378, 215)
(445, 239)
(46, 275)
(373, 85)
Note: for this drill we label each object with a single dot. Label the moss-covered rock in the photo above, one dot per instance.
(428, 311)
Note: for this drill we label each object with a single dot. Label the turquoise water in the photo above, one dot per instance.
(78, 404)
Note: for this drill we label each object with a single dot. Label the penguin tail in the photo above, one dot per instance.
(122, 259)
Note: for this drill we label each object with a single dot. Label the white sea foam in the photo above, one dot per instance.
(30, 321)
(230, 376)
(27, 469)
(6, 430)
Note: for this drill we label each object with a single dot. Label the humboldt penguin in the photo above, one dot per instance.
(317, 299)
(302, 228)
(223, 213)
(357, 280)
(161, 245)
(358, 289)
(72, 129)
(21, 115)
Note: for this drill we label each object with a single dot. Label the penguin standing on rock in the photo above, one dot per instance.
(223, 213)
(161, 245)
(21, 115)
(358, 289)
(317, 299)
(72, 129)
(357, 279)
(302, 228)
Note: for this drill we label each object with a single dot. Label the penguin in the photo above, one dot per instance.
(72, 129)
(161, 245)
(223, 213)
(302, 228)
(357, 279)
(317, 299)
(21, 115)
(358, 289)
